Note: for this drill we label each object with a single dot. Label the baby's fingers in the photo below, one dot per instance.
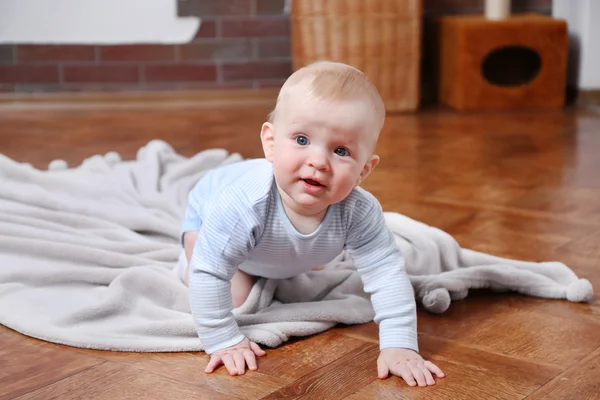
(428, 377)
(214, 362)
(240, 362)
(250, 360)
(229, 364)
(382, 369)
(433, 368)
(256, 349)
(402, 370)
(418, 374)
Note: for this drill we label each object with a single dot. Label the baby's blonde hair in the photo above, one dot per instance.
(332, 81)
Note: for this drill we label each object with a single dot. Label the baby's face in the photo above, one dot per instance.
(320, 149)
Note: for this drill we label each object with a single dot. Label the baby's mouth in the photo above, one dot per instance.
(312, 182)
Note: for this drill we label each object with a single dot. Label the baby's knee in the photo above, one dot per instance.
(241, 286)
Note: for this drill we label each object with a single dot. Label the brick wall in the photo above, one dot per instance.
(241, 43)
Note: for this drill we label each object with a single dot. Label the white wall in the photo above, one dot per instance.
(94, 21)
(582, 16)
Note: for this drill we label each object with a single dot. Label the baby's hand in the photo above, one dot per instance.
(236, 357)
(408, 365)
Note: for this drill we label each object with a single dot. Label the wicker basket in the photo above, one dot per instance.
(382, 38)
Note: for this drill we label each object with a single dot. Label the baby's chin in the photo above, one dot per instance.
(310, 203)
(307, 204)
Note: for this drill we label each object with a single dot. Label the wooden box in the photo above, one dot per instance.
(516, 63)
(382, 38)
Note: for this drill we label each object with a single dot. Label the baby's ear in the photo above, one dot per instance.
(267, 137)
(368, 168)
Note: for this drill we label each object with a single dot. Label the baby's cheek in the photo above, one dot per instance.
(347, 181)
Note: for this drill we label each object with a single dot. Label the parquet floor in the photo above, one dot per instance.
(523, 185)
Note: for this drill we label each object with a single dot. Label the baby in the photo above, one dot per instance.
(297, 209)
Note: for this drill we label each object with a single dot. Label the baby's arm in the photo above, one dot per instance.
(381, 266)
(222, 244)
(241, 283)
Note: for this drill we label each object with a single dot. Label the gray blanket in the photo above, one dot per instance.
(87, 258)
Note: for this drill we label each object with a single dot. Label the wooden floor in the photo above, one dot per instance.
(524, 185)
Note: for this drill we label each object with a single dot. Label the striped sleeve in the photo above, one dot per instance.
(380, 264)
(225, 237)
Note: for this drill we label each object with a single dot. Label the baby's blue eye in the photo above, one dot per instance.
(302, 140)
(342, 152)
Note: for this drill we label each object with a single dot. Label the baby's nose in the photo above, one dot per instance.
(318, 162)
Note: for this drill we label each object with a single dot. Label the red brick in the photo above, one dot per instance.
(28, 74)
(45, 53)
(271, 83)
(230, 49)
(180, 73)
(7, 54)
(270, 6)
(101, 73)
(257, 70)
(274, 48)
(138, 52)
(202, 8)
(256, 27)
(207, 29)
(208, 85)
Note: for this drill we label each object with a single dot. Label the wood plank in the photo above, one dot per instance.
(28, 364)
(579, 382)
(530, 232)
(189, 368)
(471, 373)
(111, 381)
(282, 365)
(528, 239)
(512, 330)
(98, 132)
(494, 323)
(586, 246)
(337, 380)
(301, 356)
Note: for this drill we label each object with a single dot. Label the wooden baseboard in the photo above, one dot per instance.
(162, 99)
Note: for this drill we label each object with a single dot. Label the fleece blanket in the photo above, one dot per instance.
(88, 257)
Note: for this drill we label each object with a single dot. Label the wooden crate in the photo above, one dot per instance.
(466, 43)
(382, 38)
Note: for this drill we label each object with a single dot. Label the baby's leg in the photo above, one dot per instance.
(241, 283)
